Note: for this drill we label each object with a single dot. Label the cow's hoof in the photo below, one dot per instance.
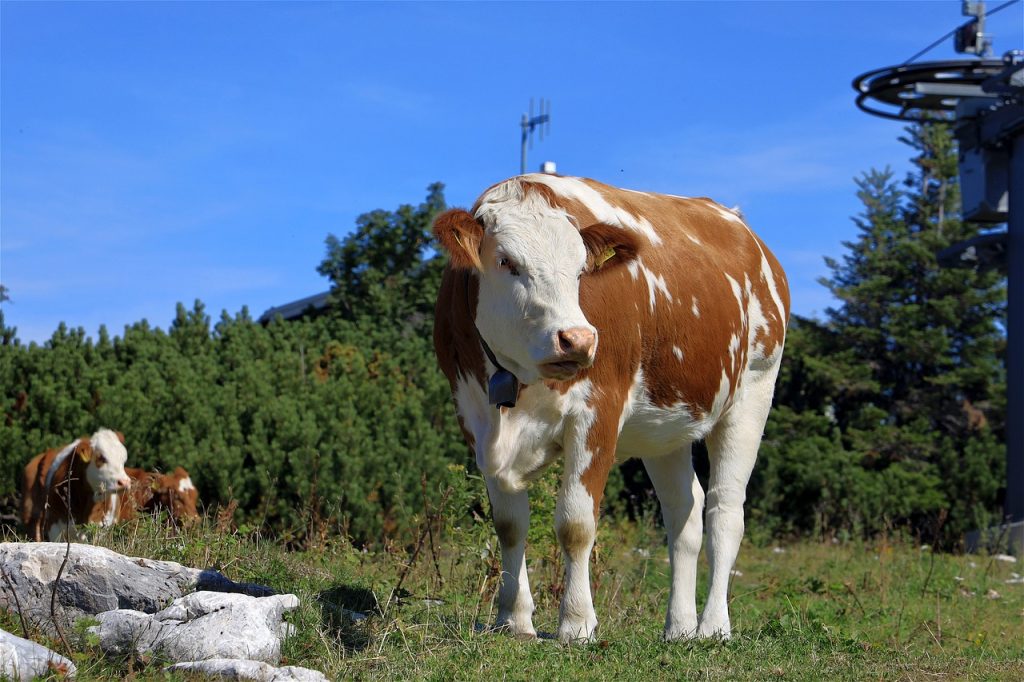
(581, 632)
(714, 631)
(679, 633)
(520, 631)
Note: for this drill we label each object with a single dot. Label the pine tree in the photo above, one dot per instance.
(906, 367)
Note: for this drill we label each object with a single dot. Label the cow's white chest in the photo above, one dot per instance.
(514, 446)
(110, 514)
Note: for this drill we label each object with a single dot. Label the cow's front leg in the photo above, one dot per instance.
(589, 455)
(511, 513)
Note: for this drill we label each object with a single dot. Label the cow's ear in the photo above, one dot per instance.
(608, 246)
(120, 436)
(83, 451)
(460, 235)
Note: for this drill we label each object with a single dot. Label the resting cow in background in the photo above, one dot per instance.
(610, 324)
(152, 491)
(91, 470)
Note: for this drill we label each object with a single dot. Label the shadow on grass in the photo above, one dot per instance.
(345, 612)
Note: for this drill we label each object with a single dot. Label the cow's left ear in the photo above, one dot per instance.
(83, 451)
(608, 246)
(460, 235)
(120, 436)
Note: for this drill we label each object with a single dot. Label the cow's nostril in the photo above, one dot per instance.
(576, 340)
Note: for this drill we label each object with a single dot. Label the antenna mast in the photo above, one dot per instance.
(528, 123)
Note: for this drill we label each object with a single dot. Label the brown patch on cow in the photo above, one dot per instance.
(460, 234)
(575, 538)
(575, 210)
(508, 532)
(602, 439)
(456, 341)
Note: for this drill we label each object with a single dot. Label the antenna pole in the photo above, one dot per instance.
(528, 123)
(526, 135)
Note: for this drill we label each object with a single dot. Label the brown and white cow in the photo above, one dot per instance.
(152, 491)
(634, 324)
(91, 469)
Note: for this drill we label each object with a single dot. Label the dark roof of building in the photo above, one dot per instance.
(296, 309)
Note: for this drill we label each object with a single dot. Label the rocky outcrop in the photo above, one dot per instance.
(200, 626)
(22, 659)
(197, 619)
(97, 580)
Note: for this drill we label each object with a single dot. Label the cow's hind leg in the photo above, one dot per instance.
(682, 503)
(732, 451)
(511, 512)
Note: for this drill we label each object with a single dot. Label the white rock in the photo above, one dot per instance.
(96, 579)
(235, 669)
(1006, 558)
(200, 626)
(23, 659)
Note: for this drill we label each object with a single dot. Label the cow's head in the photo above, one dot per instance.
(104, 456)
(529, 258)
(176, 493)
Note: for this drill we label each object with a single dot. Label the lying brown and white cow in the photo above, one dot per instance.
(620, 324)
(152, 491)
(97, 478)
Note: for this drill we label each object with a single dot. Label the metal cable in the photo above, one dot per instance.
(937, 42)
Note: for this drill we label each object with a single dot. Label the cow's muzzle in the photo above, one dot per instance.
(575, 351)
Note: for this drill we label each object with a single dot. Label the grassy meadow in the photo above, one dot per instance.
(813, 611)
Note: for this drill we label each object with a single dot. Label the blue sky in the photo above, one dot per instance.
(152, 152)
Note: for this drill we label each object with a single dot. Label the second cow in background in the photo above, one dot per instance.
(152, 491)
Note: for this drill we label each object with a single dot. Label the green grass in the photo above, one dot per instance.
(885, 610)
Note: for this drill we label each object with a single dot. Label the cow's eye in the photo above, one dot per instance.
(506, 263)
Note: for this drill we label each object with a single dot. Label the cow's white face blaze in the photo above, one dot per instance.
(105, 470)
(528, 309)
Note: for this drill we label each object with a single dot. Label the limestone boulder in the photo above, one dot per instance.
(200, 626)
(23, 659)
(96, 580)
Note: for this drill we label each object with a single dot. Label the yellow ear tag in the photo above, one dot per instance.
(606, 256)
(85, 456)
